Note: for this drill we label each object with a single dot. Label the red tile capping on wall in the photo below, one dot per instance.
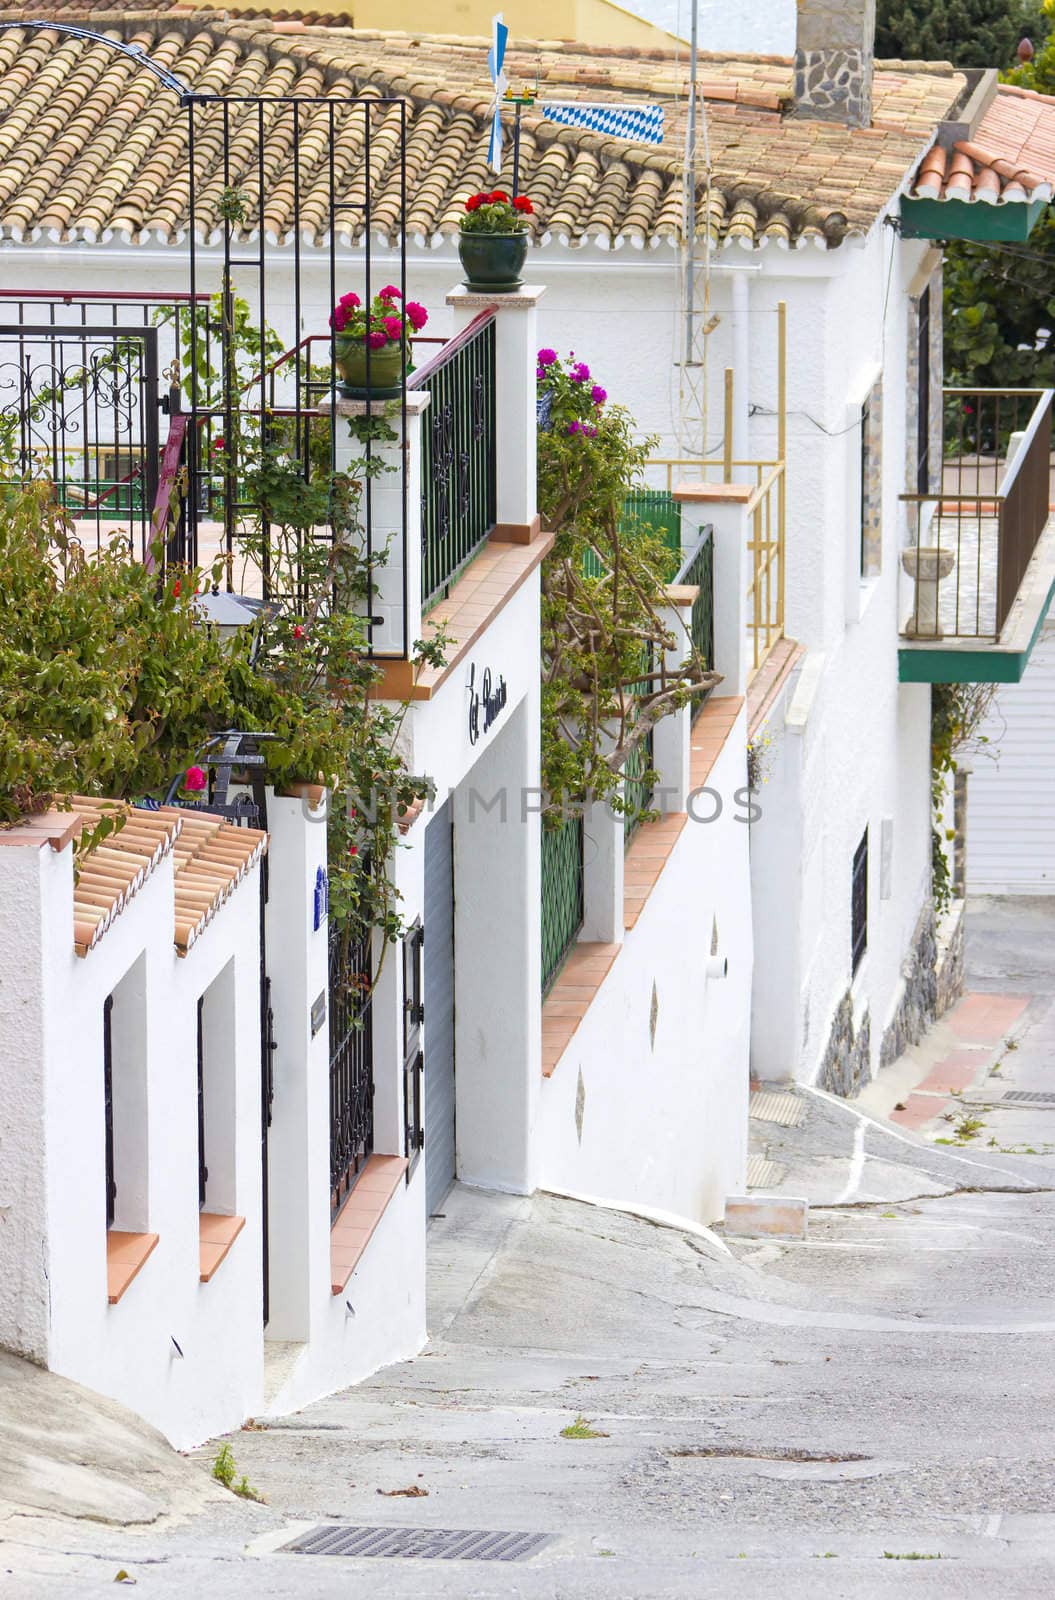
(216, 1235)
(361, 1213)
(125, 1254)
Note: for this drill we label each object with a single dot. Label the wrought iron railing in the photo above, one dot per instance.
(767, 540)
(458, 459)
(697, 570)
(638, 786)
(351, 1062)
(562, 894)
(972, 536)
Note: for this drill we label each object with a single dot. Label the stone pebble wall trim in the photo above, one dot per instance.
(918, 1005)
(847, 1059)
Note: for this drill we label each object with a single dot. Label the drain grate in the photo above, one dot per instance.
(762, 1173)
(1022, 1096)
(424, 1544)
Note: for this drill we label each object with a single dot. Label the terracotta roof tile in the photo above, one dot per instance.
(91, 147)
(211, 857)
(1010, 160)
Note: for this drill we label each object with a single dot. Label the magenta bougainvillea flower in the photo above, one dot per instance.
(598, 395)
(546, 358)
(580, 373)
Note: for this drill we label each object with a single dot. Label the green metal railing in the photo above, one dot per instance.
(458, 454)
(637, 786)
(648, 511)
(562, 895)
(638, 782)
(698, 569)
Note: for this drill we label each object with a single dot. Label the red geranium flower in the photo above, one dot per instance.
(498, 194)
(474, 202)
(176, 589)
(298, 632)
(522, 203)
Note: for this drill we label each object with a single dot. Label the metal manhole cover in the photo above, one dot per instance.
(767, 1106)
(424, 1544)
(1021, 1096)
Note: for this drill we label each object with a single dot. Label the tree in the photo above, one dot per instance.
(1000, 311)
(604, 678)
(970, 33)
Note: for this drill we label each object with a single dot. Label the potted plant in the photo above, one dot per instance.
(372, 347)
(493, 241)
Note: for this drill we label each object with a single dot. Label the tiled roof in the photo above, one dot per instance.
(114, 872)
(1011, 157)
(211, 857)
(92, 147)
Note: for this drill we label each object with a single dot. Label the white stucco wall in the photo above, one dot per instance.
(664, 1124)
(758, 27)
(127, 1350)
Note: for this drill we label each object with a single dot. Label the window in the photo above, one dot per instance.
(923, 396)
(859, 904)
(203, 1171)
(108, 1107)
(865, 443)
(413, 1059)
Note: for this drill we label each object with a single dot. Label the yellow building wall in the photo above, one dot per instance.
(589, 22)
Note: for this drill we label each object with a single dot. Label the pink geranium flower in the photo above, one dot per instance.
(390, 292)
(393, 327)
(194, 779)
(417, 315)
(376, 339)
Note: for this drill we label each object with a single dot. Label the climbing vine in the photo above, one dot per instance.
(111, 685)
(605, 679)
(957, 713)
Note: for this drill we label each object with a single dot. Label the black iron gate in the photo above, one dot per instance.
(351, 1062)
(82, 403)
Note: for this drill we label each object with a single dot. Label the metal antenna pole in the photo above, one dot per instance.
(516, 151)
(690, 187)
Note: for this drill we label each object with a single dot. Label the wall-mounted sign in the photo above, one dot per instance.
(322, 897)
(318, 1012)
(485, 702)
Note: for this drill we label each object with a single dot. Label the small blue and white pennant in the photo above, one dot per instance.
(641, 123)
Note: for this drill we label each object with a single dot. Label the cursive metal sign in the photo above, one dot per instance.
(485, 703)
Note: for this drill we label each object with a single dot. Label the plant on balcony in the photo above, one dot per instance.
(110, 685)
(604, 638)
(493, 240)
(372, 347)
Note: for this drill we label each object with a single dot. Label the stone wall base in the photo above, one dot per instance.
(950, 960)
(918, 1005)
(847, 1059)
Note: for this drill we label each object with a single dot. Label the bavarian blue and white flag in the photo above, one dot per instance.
(642, 123)
(495, 57)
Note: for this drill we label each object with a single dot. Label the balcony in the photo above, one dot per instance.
(979, 564)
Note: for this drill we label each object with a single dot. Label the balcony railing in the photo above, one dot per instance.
(458, 457)
(971, 538)
(767, 509)
(698, 570)
(562, 894)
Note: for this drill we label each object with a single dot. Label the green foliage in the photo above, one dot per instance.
(111, 685)
(970, 33)
(1000, 311)
(581, 1429)
(225, 1471)
(957, 711)
(602, 590)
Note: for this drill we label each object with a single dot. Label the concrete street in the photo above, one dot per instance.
(860, 1413)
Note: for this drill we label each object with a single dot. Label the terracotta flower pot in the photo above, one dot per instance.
(492, 261)
(384, 374)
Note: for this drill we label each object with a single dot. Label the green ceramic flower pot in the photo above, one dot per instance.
(492, 261)
(385, 369)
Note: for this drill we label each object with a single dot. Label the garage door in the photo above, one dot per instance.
(1011, 799)
(438, 983)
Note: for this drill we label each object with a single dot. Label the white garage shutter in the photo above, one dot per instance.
(1011, 800)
